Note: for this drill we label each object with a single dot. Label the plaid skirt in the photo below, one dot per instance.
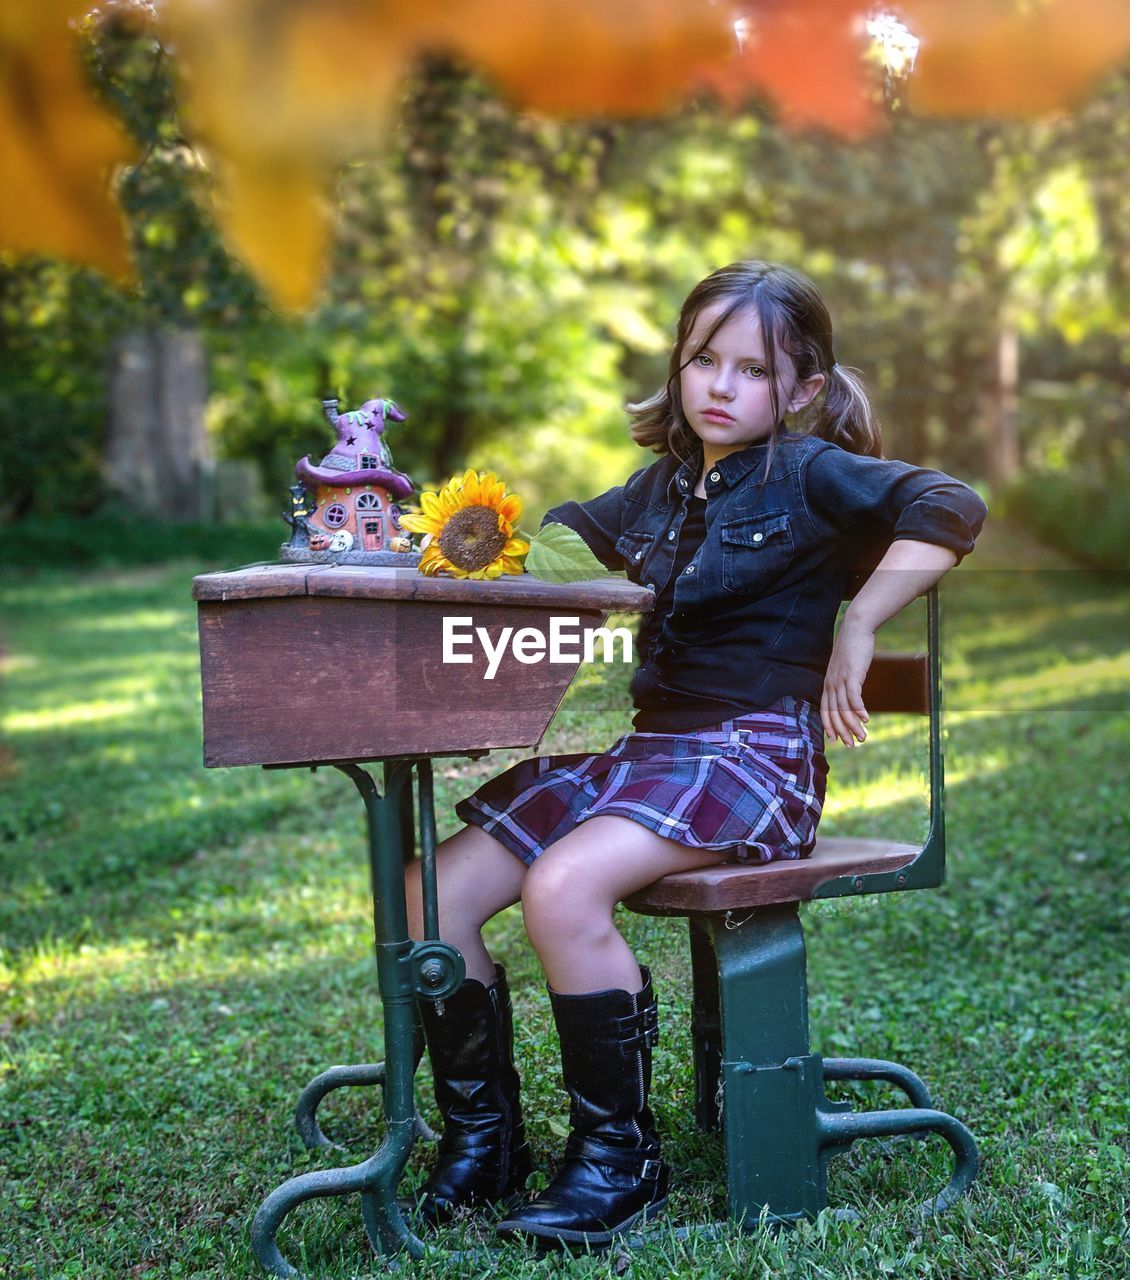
(752, 788)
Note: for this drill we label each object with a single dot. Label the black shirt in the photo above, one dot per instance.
(662, 708)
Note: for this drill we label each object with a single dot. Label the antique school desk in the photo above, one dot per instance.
(306, 665)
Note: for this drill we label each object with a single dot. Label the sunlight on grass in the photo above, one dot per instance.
(135, 620)
(63, 717)
(875, 794)
(1051, 683)
(11, 663)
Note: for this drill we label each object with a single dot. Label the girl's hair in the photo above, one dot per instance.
(795, 320)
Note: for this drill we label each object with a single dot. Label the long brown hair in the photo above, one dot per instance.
(794, 319)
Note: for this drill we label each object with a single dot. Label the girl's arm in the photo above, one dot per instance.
(598, 521)
(909, 569)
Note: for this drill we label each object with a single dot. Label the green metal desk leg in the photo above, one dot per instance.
(400, 966)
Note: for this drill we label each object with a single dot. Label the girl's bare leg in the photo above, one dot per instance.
(570, 891)
(476, 878)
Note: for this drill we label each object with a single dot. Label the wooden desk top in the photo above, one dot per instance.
(378, 582)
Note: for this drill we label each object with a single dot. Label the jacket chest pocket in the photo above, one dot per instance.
(634, 546)
(755, 550)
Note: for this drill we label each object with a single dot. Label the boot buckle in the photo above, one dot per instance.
(645, 1024)
(650, 1170)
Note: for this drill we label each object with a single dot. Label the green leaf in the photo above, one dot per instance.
(558, 554)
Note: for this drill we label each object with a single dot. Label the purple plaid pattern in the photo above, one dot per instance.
(751, 787)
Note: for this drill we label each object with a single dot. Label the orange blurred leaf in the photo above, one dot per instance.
(58, 144)
(996, 57)
(590, 57)
(281, 95)
(276, 218)
(286, 92)
(810, 58)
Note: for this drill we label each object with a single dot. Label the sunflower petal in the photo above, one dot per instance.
(432, 505)
(417, 523)
(510, 508)
(432, 561)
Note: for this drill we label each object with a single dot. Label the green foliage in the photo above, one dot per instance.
(120, 539)
(1086, 518)
(182, 950)
(57, 321)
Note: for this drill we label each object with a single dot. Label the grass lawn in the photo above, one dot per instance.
(180, 951)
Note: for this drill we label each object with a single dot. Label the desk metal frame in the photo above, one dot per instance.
(405, 970)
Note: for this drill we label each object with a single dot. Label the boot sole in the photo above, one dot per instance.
(560, 1236)
(412, 1212)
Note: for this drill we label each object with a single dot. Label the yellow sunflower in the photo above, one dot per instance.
(470, 524)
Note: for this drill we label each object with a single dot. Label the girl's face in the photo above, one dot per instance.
(725, 386)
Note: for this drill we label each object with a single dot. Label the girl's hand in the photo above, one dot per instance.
(841, 707)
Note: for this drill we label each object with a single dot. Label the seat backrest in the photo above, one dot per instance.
(909, 682)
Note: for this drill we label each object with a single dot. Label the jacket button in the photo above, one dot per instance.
(671, 535)
(639, 554)
(689, 568)
(756, 537)
(682, 483)
(715, 476)
(651, 586)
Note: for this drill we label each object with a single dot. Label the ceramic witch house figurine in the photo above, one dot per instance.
(344, 510)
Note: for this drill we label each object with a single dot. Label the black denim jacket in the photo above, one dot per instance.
(753, 614)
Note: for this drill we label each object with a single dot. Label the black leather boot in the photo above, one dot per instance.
(612, 1178)
(483, 1154)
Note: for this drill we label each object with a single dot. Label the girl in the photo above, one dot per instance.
(749, 534)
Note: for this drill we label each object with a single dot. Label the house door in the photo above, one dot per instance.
(372, 538)
(370, 524)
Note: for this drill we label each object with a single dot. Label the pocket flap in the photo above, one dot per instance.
(755, 531)
(633, 546)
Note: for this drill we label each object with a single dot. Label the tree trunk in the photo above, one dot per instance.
(910, 397)
(1002, 407)
(158, 459)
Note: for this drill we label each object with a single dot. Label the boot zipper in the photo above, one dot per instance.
(642, 1099)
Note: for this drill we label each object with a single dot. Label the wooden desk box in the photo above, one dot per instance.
(309, 663)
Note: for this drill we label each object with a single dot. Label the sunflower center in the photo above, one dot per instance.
(471, 538)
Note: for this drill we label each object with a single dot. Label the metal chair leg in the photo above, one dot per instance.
(780, 1128)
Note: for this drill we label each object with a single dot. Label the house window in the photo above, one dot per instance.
(368, 502)
(369, 461)
(335, 515)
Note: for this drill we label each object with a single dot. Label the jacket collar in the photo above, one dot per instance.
(732, 469)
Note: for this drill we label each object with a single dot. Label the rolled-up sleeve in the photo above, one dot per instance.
(599, 521)
(913, 502)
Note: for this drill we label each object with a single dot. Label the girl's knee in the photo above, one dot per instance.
(555, 900)
(476, 877)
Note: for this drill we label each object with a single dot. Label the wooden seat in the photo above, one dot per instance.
(734, 886)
